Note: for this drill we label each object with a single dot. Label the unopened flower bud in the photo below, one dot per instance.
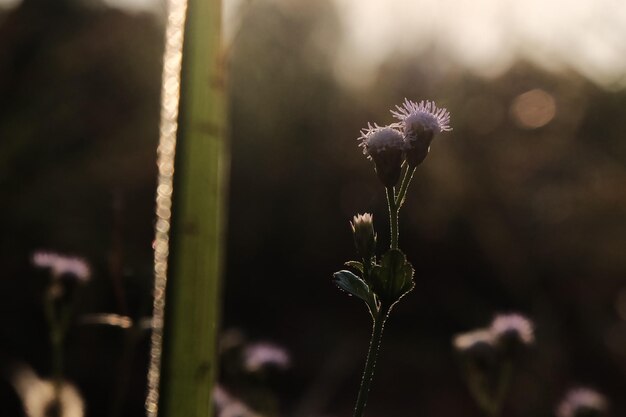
(583, 402)
(384, 146)
(421, 121)
(364, 235)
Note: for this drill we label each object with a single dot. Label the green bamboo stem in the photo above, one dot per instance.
(188, 362)
(370, 361)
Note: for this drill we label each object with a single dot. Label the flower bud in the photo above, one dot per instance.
(364, 235)
(384, 146)
(421, 121)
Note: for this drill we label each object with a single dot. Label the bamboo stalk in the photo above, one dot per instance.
(187, 284)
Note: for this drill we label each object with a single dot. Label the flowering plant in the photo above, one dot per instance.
(396, 151)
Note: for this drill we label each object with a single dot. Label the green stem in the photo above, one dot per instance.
(477, 385)
(393, 217)
(57, 369)
(503, 387)
(57, 338)
(370, 362)
(406, 180)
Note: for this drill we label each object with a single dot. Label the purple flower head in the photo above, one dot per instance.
(421, 122)
(385, 146)
(512, 329)
(582, 402)
(63, 266)
(376, 139)
(424, 115)
(265, 355)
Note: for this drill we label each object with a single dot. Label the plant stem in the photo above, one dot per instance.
(57, 338)
(503, 387)
(370, 362)
(57, 363)
(406, 180)
(393, 217)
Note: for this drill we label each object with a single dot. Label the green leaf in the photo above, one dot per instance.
(354, 285)
(393, 278)
(356, 265)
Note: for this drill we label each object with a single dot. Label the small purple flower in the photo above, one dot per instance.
(376, 139)
(422, 115)
(581, 402)
(385, 146)
(63, 266)
(421, 121)
(261, 355)
(513, 328)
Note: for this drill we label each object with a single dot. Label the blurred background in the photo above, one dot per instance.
(522, 207)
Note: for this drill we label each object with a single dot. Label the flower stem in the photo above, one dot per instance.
(370, 362)
(503, 387)
(406, 180)
(57, 338)
(393, 217)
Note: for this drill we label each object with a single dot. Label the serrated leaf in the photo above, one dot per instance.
(354, 285)
(393, 278)
(356, 265)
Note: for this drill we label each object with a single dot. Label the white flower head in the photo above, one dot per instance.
(475, 339)
(376, 139)
(424, 115)
(513, 326)
(582, 402)
(477, 347)
(63, 266)
(39, 397)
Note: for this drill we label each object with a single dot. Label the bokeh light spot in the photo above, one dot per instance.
(533, 109)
